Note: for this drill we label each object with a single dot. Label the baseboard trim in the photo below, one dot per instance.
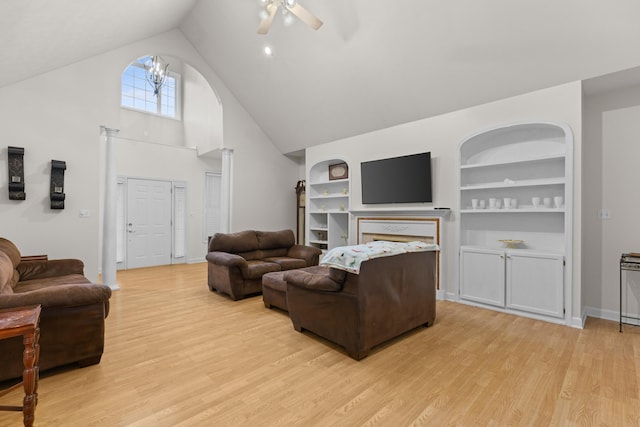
(601, 314)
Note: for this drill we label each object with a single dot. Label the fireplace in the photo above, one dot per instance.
(400, 229)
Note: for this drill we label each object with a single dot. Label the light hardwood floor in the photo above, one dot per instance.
(179, 355)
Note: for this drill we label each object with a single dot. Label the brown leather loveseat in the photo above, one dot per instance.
(390, 296)
(237, 261)
(73, 310)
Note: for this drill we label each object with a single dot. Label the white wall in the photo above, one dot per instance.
(441, 136)
(57, 115)
(53, 116)
(612, 132)
(202, 115)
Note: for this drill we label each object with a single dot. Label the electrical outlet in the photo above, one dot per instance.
(604, 214)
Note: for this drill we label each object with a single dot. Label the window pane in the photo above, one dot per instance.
(137, 92)
(139, 104)
(127, 79)
(127, 101)
(138, 72)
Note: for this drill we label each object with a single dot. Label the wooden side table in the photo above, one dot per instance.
(24, 321)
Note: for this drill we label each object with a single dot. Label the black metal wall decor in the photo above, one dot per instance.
(16, 173)
(57, 184)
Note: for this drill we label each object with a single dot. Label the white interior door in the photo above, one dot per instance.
(148, 223)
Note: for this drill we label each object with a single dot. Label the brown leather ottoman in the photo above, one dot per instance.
(274, 288)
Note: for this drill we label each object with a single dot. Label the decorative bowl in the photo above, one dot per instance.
(511, 243)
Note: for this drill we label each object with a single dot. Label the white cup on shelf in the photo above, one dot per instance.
(492, 203)
(535, 201)
(514, 203)
(546, 202)
(507, 202)
(474, 203)
(481, 204)
(498, 203)
(558, 201)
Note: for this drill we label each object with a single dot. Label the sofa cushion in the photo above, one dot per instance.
(32, 285)
(287, 263)
(11, 250)
(250, 255)
(275, 239)
(276, 280)
(268, 253)
(318, 282)
(242, 241)
(256, 268)
(6, 274)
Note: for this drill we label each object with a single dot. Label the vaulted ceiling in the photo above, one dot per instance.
(373, 64)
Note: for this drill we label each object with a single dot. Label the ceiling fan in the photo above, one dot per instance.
(289, 7)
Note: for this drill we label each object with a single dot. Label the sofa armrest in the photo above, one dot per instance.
(310, 254)
(40, 269)
(312, 281)
(226, 259)
(71, 295)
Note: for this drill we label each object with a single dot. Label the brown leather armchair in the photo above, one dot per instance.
(237, 261)
(390, 296)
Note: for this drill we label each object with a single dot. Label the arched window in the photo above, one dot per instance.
(137, 92)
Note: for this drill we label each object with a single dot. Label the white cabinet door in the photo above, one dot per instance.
(535, 283)
(482, 276)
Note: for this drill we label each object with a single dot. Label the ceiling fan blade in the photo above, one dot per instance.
(265, 24)
(305, 16)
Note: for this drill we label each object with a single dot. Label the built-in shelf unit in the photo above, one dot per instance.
(327, 207)
(530, 273)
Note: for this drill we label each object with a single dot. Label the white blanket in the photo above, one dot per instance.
(349, 258)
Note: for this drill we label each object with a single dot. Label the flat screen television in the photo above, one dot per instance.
(405, 179)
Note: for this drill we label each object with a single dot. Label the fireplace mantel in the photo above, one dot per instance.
(402, 226)
(434, 213)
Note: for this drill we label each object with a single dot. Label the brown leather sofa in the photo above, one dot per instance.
(237, 261)
(390, 296)
(73, 310)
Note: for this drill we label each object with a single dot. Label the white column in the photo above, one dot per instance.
(225, 190)
(110, 213)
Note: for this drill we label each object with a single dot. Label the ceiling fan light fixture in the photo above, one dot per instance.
(289, 7)
(287, 17)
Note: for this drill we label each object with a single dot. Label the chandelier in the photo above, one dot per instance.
(156, 70)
